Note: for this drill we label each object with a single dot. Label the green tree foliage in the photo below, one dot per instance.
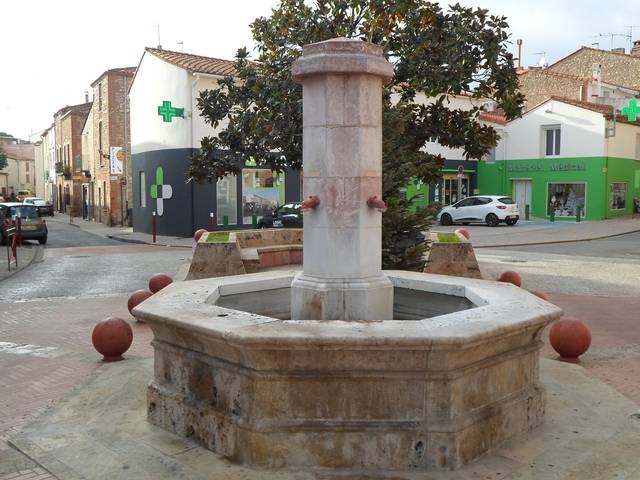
(435, 53)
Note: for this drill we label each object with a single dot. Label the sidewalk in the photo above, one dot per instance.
(27, 254)
(542, 231)
(126, 234)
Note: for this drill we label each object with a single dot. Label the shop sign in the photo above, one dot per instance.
(552, 167)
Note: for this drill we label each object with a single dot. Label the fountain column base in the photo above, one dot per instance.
(351, 299)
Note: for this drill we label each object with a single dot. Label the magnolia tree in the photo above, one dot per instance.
(434, 52)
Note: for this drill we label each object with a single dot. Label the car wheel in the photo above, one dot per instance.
(492, 220)
(511, 222)
(42, 240)
(445, 219)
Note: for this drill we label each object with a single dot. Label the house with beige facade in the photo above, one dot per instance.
(19, 174)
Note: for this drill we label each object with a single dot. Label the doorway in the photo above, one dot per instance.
(450, 193)
(522, 193)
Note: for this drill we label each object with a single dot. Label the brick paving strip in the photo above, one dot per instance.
(45, 351)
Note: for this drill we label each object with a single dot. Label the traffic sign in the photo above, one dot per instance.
(460, 169)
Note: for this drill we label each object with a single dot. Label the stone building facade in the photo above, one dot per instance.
(539, 84)
(617, 68)
(110, 187)
(68, 123)
(19, 174)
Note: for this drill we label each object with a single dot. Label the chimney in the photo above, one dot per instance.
(86, 96)
(635, 51)
(519, 43)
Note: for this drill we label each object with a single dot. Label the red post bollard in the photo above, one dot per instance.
(19, 232)
(212, 223)
(153, 227)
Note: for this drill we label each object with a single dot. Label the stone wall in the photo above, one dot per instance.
(617, 68)
(538, 85)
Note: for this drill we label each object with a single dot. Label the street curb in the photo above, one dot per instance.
(558, 241)
(37, 257)
(142, 242)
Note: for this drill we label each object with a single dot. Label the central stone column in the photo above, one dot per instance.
(342, 277)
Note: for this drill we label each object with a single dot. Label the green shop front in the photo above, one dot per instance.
(596, 187)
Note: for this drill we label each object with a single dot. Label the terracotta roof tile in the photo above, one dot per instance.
(195, 63)
(595, 107)
(493, 117)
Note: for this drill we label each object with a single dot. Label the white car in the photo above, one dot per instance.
(489, 209)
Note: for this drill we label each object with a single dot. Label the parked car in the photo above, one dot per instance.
(489, 209)
(288, 215)
(33, 225)
(45, 208)
(22, 194)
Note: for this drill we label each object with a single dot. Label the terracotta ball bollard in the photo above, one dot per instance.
(570, 338)
(112, 337)
(137, 298)
(465, 233)
(198, 234)
(511, 277)
(159, 281)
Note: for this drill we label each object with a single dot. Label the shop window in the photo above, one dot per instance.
(618, 196)
(565, 198)
(638, 146)
(551, 139)
(143, 189)
(262, 192)
(227, 200)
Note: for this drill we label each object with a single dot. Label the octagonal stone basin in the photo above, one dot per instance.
(455, 374)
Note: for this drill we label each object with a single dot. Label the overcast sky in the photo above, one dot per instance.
(53, 49)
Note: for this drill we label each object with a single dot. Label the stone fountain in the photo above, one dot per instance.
(344, 366)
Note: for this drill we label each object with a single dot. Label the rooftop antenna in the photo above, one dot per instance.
(159, 44)
(611, 35)
(542, 63)
(631, 27)
(181, 43)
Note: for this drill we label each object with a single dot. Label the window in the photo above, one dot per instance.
(104, 193)
(618, 196)
(28, 176)
(26, 166)
(100, 99)
(227, 200)
(467, 202)
(551, 138)
(143, 189)
(565, 199)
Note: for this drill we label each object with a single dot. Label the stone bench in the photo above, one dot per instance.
(243, 252)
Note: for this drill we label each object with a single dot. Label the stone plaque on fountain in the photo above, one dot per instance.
(342, 163)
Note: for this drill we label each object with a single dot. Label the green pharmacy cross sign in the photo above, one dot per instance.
(167, 112)
(632, 111)
(160, 192)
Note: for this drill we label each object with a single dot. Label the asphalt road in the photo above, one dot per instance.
(80, 264)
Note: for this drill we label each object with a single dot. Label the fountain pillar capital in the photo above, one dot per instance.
(342, 82)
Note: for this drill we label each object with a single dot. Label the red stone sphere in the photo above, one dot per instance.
(463, 232)
(198, 234)
(511, 277)
(540, 294)
(112, 337)
(137, 298)
(570, 338)
(159, 281)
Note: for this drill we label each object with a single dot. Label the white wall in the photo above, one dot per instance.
(156, 81)
(625, 142)
(582, 132)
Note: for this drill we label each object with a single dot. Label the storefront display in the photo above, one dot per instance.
(262, 192)
(565, 198)
(618, 196)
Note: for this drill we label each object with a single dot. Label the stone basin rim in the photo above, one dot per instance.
(183, 305)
